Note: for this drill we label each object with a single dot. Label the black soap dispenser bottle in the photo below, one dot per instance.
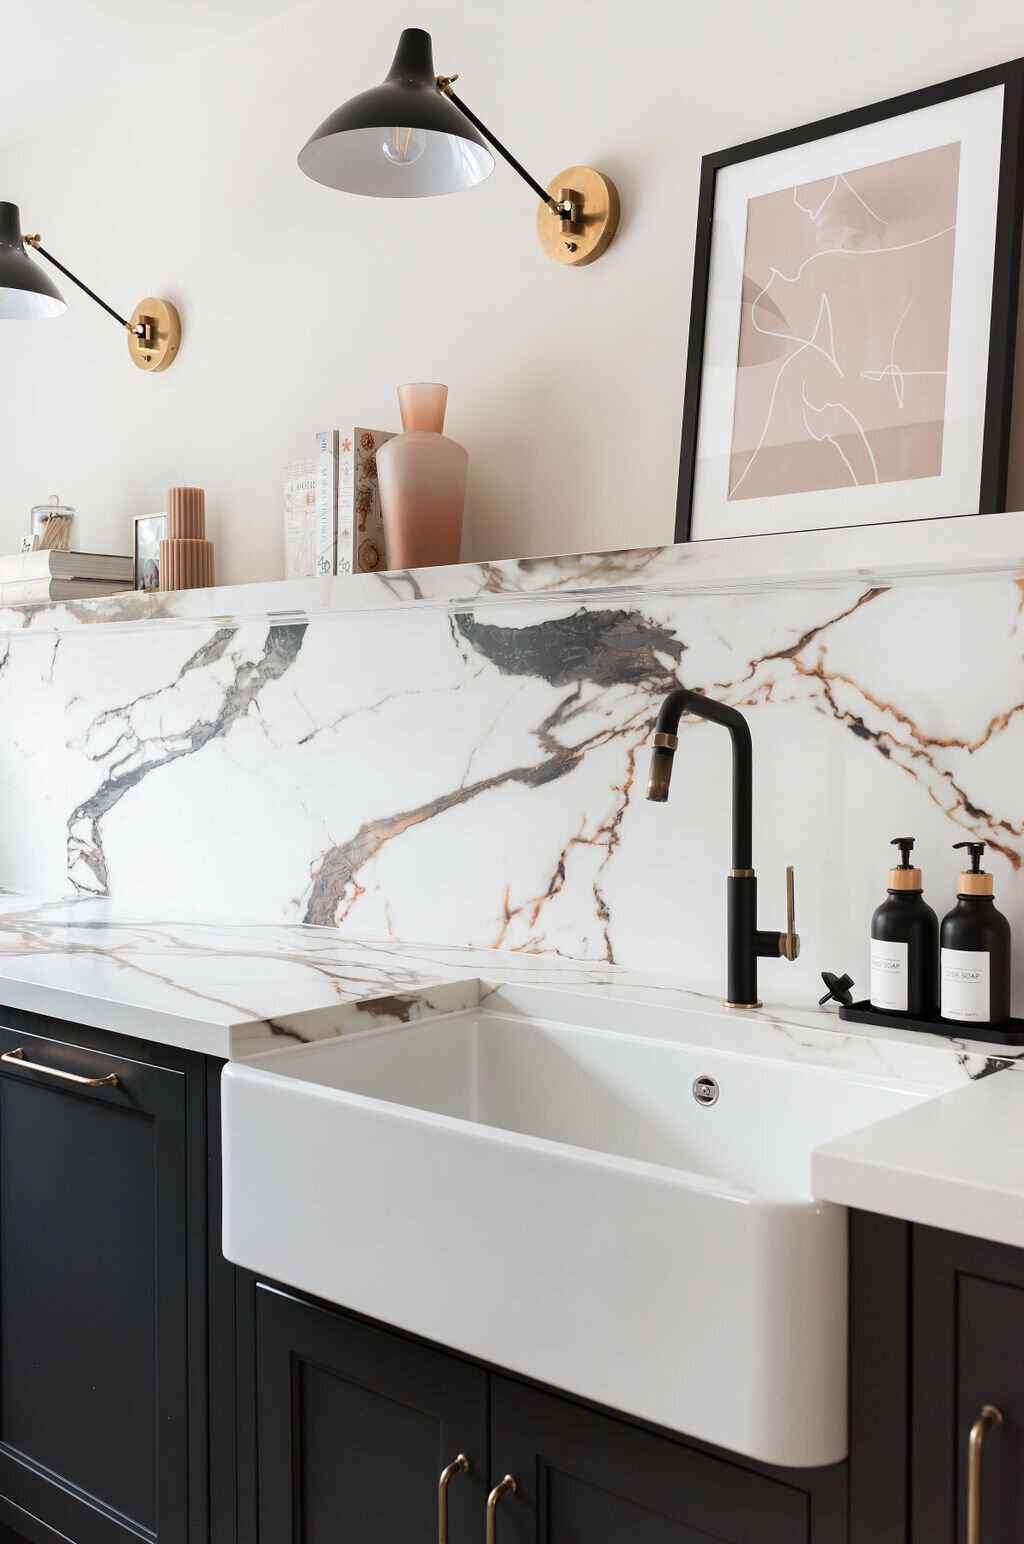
(975, 944)
(905, 944)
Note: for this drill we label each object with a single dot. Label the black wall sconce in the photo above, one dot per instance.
(28, 293)
(412, 137)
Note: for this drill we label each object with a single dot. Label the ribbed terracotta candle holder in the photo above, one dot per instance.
(186, 564)
(186, 557)
(186, 513)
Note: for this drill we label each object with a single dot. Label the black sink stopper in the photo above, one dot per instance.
(838, 988)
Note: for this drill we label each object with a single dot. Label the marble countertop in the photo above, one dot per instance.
(232, 990)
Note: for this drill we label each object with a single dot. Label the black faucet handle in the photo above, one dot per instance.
(838, 989)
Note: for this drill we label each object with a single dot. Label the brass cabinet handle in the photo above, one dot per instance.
(459, 1466)
(506, 1487)
(990, 1417)
(18, 1058)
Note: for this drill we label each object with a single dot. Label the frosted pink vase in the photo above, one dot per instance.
(422, 479)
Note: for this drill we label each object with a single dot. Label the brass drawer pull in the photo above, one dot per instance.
(18, 1058)
(460, 1466)
(990, 1417)
(507, 1487)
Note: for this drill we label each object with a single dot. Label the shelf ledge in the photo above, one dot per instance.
(965, 546)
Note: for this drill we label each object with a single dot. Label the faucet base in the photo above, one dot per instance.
(758, 1004)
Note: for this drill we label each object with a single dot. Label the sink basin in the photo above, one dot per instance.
(533, 1182)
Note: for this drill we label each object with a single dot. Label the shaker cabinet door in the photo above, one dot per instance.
(967, 1359)
(356, 1427)
(93, 1294)
(587, 1478)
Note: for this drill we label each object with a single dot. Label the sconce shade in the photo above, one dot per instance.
(27, 293)
(401, 139)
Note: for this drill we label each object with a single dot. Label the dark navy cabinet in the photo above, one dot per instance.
(151, 1392)
(103, 1287)
(937, 1339)
(357, 1425)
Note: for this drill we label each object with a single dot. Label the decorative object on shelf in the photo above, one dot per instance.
(362, 548)
(54, 525)
(149, 531)
(186, 556)
(412, 137)
(422, 482)
(300, 519)
(853, 319)
(28, 293)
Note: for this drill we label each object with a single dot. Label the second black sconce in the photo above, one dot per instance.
(412, 137)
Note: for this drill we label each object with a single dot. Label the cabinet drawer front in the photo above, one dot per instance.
(355, 1428)
(93, 1295)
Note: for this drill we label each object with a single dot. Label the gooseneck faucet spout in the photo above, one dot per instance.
(666, 742)
(746, 942)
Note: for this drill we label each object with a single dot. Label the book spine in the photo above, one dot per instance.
(370, 553)
(25, 565)
(14, 592)
(346, 484)
(327, 501)
(300, 519)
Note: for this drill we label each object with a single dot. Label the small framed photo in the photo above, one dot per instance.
(853, 322)
(150, 530)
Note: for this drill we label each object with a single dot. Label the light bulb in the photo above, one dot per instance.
(402, 146)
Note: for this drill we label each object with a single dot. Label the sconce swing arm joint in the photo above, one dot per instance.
(568, 207)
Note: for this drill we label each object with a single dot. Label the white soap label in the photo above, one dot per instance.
(888, 976)
(965, 985)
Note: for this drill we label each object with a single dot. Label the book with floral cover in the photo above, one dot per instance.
(361, 547)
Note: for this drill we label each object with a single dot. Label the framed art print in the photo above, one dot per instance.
(149, 532)
(854, 306)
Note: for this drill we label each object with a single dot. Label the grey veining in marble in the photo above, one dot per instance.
(474, 776)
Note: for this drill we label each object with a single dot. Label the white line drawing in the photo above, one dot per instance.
(824, 317)
(805, 343)
(839, 178)
(893, 371)
(841, 408)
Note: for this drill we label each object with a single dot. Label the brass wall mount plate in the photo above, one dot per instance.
(600, 200)
(159, 348)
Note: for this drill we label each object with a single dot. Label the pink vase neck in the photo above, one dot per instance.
(423, 404)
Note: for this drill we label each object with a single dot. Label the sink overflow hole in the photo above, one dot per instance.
(705, 1090)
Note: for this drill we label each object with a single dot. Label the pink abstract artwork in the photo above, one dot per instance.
(844, 333)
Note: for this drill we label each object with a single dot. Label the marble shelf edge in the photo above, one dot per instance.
(919, 551)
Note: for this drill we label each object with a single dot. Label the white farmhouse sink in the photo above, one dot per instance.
(524, 1187)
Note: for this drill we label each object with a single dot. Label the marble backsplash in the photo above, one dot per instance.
(474, 774)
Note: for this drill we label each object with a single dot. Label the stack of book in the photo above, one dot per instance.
(29, 578)
(333, 522)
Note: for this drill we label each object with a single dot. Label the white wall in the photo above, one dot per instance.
(303, 307)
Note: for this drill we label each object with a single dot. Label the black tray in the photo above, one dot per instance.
(1010, 1032)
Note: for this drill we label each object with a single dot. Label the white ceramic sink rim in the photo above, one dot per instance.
(662, 1289)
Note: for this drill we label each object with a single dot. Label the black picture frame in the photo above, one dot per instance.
(1006, 268)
